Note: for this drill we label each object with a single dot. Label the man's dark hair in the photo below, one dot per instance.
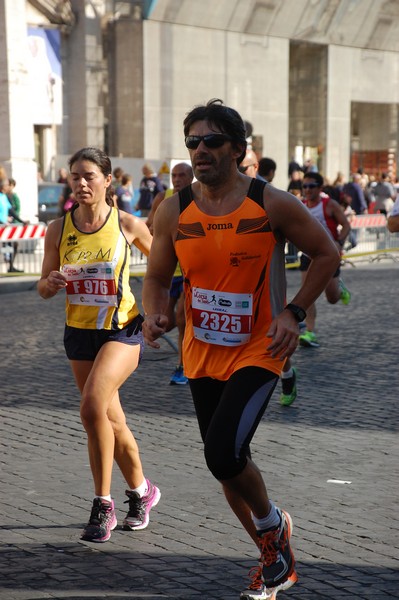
(248, 129)
(265, 166)
(315, 176)
(226, 119)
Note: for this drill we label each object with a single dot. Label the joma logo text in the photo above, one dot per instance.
(212, 226)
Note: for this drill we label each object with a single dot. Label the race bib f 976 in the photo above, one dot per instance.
(221, 318)
(91, 285)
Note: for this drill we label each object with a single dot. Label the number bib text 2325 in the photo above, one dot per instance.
(222, 318)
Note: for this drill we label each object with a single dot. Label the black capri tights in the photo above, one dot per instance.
(228, 414)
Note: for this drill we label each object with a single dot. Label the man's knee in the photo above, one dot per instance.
(223, 465)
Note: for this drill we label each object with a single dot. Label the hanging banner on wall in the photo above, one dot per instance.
(44, 67)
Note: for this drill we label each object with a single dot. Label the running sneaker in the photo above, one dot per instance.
(102, 521)
(178, 377)
(138, 515)
(288, 385)
(345, 293)
(302, 326)
(276, 561)
(276, 556)
(257, 589)
(308, 339)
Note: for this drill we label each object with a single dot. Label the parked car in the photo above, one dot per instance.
(49, 200)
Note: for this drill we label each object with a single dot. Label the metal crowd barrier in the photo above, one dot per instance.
(23, 246)
(371, 240)
(25, 243)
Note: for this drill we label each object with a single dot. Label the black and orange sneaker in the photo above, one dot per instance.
(276, 556)
(276, 570)
(257, 589)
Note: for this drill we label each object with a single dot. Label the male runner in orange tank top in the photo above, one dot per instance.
(228, 233)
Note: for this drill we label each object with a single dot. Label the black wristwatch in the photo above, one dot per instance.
(297, 311)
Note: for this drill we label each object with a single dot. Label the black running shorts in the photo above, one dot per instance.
(228, 414)
(84, 344)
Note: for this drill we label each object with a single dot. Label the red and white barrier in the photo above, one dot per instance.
(22, 232)
(360, 221)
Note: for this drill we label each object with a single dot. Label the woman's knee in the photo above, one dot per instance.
(90, 409)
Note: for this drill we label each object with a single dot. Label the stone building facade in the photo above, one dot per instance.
(315, 78)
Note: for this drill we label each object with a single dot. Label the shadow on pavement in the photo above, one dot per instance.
(80, 572)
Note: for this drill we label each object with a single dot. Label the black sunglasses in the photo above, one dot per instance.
(309, 185)
(212, 140)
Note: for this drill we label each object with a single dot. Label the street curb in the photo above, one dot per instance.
(17, 284)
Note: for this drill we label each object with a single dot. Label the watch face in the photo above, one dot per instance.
(299, 313)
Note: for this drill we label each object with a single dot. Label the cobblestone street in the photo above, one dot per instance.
(331, 460)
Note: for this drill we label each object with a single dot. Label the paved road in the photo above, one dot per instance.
(343, 427)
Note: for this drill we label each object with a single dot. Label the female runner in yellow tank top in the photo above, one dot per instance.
(87, 254)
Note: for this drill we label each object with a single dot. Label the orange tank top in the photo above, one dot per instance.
(234, 278)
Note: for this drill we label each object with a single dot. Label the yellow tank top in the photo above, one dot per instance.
(234, 286)
(97, 269)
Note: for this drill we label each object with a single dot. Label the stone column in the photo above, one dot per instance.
(125, 92)
(16, 128)
(84, 75)
(340, 74)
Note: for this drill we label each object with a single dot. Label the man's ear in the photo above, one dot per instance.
(240, 150)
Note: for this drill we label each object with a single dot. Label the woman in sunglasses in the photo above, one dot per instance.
(228, 232)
